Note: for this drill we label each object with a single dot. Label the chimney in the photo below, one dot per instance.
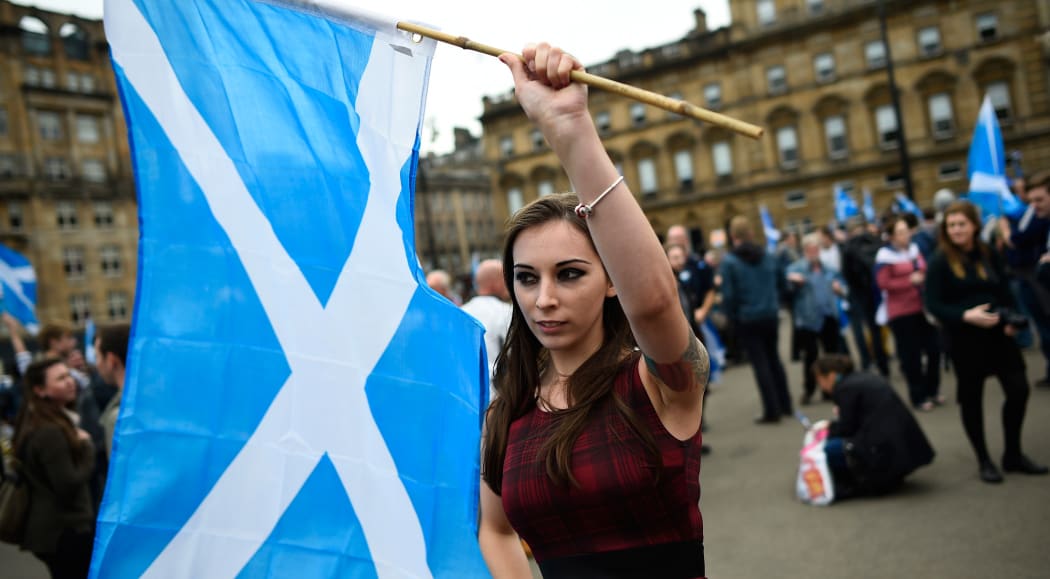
(701, 20)
(462, 137)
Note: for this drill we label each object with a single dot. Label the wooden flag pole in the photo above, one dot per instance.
(666, 103)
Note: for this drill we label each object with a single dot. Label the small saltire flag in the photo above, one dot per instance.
(296, 405)
(716, 350)
(905, 205)
(986, 168)
(18, 288)
(869, 207)
(845, 205)
(89, 341)
(770, 231)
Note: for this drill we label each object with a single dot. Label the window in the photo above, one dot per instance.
(835, 133)
(87, 129)
(50, 125)
(824, 67)
(847, 187)
(93, 171)
(949, 171)
(74, 41)
(35, 36)
(15, 216)
(66, 215)
(545, 188)
(713, 95)
(795, 199)
(110, 260)
(31, 76)
(117, 305)
(3, 122)
(722, 155)
(767, 12)
(47, 78)
(514, 200)
(56, 169)
(537, 140)
(647, 176)
(999, 93)
(987, 27)
(787, 145)
(815, 6)
(73, 262)
(683, 168)
(603, 121)
(80, 308)
(886, 124)
(506, 146)
(929, 41)
(103, 214)
(941, 118)
(73, 81)
(87, 83)
(875, 54)
(8, 166)
(894, 180)
(638, 114)
(776, 79)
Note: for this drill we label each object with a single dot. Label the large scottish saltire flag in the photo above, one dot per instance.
(298, 403)
(18, 288)
(770, 230)
(986, 168)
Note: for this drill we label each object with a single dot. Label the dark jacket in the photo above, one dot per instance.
(858, 269)
(948, 296)
(752, 283)
(887, 443)
(59, 495)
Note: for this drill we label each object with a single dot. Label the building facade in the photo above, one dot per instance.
(454, 212)
(67, 196)
(813, 73)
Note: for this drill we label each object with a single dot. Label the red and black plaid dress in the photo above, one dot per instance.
(621, 517)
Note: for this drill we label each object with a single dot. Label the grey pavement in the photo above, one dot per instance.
(944, 523)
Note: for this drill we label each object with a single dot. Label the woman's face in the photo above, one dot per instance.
(901, 237)
(560, 287)
(59, 385)
(960, 230)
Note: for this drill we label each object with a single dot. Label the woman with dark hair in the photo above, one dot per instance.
(900, 272)
(875, 441)
(592, 447)
(968, 291)
(57, 459)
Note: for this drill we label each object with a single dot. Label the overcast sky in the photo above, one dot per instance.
(593, 31)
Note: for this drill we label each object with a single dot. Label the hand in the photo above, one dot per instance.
(980, 316)
(1045, 258)
(917, 277)
(796, 277)
(82, 434)
(1004, 231)
(1009, 330)
(699, 315)
(837, 288)
(543, 88)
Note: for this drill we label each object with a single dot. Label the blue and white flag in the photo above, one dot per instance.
(869, 207)
(989, 188)
(905, 205)
(845, 205)
(298, 403)
(18, 288)
(716, 351)
(89, 341)
(770, 231)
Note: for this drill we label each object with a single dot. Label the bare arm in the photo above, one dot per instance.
(500, 545)
(628, 247)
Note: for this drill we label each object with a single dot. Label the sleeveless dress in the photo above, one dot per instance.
(628, 517)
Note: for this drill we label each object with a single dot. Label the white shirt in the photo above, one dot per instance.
(494, 314)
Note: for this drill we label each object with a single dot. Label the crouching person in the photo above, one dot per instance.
(875, 441)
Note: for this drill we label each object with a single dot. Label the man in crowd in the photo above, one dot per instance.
(858, 269)
(1026, 251)
(111, 348)
(441, 282)
(491, 307)
(751, 287)
(695, 275)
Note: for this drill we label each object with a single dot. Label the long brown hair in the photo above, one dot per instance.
(37, 412)
(522, 362)
(958, 260)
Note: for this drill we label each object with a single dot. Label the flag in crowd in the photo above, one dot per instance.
(716, 351)
(89, 341)
(770, 231)
(18, 288)
(903, 204)
(845, 205)
(868, 207)
(986, 168)
(296, 406)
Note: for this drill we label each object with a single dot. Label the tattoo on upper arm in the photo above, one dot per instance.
(688, 372)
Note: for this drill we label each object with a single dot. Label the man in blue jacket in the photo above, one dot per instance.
(752, 283)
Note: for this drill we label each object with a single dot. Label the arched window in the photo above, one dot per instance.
(36, 40)
(74, 41)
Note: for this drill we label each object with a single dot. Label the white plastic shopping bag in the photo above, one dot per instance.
(814, 485)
